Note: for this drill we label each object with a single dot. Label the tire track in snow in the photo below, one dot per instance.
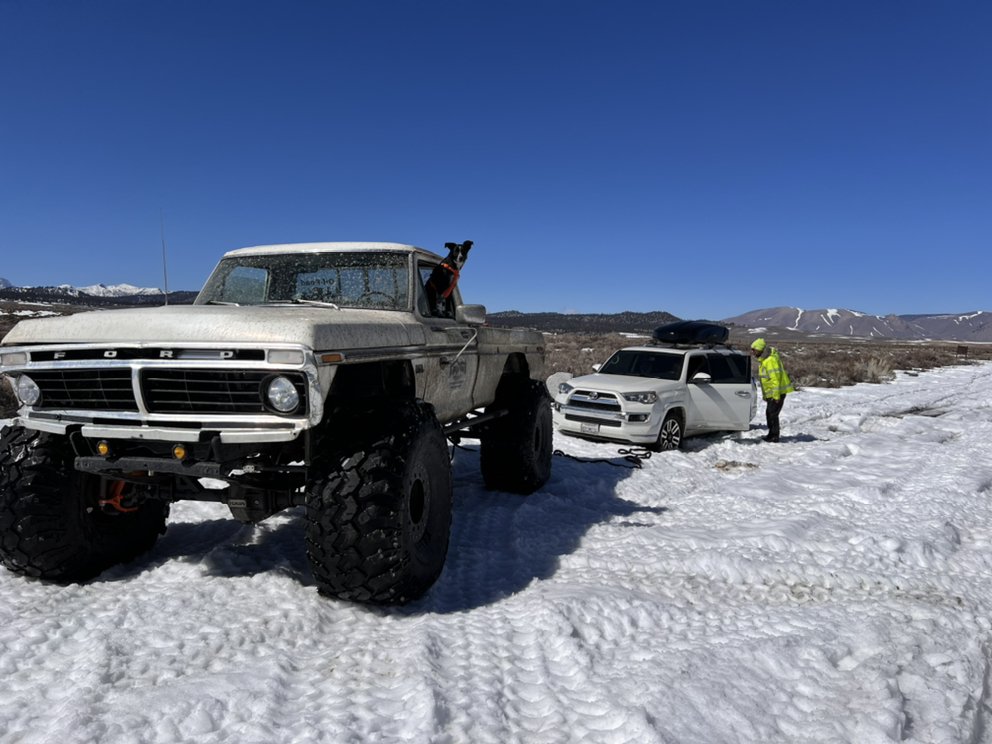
(501, 545)
(902, 561)
(539, 676)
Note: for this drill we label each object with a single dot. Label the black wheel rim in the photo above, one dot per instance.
(418, 509)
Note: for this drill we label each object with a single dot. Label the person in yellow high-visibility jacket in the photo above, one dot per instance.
(775, 383)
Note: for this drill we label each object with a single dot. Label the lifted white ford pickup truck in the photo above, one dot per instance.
(316, 375)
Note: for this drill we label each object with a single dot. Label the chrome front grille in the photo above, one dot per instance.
(166, 394)
(208, 391)
(594, 401)
(162, 390)
(85, 389)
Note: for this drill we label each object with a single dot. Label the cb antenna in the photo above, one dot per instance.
(165, 266)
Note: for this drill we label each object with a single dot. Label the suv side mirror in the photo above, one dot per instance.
(700, 378)
(471, 314)
(597, 367)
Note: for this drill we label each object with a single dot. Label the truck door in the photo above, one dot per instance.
(452, 361)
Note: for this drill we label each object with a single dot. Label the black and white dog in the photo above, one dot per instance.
(443, 279)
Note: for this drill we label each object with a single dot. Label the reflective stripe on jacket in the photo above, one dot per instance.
(774, 381)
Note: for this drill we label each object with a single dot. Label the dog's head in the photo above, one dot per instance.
(458, 253)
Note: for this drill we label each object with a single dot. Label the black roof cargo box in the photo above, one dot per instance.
(691, 332)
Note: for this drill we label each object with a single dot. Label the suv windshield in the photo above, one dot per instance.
(644, 364)
(379, 280)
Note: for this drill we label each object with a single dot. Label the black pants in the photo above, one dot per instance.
(772, 409)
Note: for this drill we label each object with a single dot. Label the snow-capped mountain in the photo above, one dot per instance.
(95, 295)
(971, 326)
(93, 290)
(975, 326)
(118, 290)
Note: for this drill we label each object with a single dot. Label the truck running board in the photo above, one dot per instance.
(467, 425)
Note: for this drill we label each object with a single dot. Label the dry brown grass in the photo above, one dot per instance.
(809, 363)
(575, 353)
(822, 364)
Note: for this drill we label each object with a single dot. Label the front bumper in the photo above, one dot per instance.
(640, 427)
(230, 432)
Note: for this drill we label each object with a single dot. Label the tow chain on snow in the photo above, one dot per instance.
(635, 456)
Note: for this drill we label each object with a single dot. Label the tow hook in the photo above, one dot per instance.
(114, 502)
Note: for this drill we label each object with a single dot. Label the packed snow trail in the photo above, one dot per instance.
(834, 587)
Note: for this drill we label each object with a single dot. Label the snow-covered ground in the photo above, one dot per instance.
(835, 587)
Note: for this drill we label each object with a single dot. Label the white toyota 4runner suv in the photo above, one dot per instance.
(656, 395)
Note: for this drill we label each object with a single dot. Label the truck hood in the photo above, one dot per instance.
(317, 327)
(622, 383)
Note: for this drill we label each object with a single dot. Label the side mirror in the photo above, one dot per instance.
(701, 377)
(474, 315)
(597, 367)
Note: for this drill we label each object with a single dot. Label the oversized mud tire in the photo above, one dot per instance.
(515, 453)
(379, 511)
(51, 524)
(671, 433)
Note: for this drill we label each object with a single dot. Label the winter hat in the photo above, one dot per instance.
(759, 344)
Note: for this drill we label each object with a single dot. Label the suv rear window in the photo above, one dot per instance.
(729, 368)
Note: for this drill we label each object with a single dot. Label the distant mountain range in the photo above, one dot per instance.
(970, 326)
(94, 295)
(778, 321)
(119, 290)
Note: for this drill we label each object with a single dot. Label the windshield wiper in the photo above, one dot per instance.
(221, 302)
(301, 301)
(318, 303)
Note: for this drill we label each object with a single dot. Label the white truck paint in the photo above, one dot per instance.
(313, 375)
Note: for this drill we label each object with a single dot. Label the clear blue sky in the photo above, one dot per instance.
(701, 157)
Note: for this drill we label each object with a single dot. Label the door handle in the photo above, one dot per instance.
(742, 394)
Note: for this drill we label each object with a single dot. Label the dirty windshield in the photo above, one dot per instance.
(368, 280)
(644, 364)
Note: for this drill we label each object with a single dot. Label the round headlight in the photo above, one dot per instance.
(27, 390)
(282, 395)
